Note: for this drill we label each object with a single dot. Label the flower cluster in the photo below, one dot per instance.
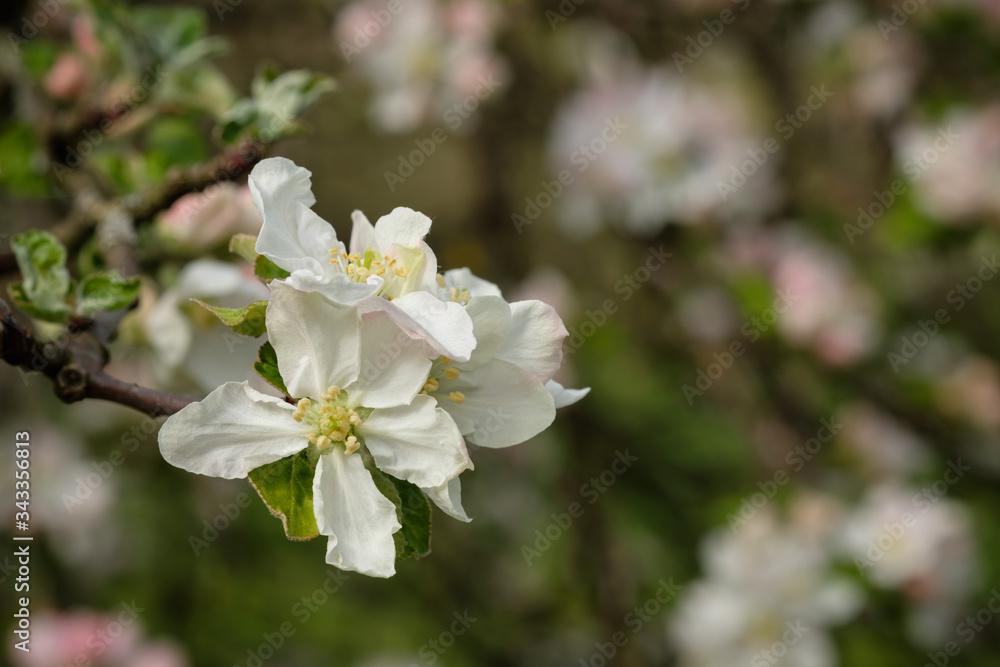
(388, 369)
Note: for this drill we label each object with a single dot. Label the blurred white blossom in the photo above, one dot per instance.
(422, 60)
(759, 584)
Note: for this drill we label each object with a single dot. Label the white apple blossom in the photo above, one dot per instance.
(504, 394)
(921, 543)
(389, 259)
(770, 584)
(321, 348)
(424, 61)
(195, 342)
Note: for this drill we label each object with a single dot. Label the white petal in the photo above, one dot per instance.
(504, 404)
(564, 397)
(445, 328)
(394, 366)
(465, 279)
(316, 341)
(168, 330)
(418, 442)
(403, 226)
(292, 232)
(336, 287)
(210, 278)
(535, 339)
(359, 520)
(232, 431)
(491, 320)
(362, 234)
(448, 497)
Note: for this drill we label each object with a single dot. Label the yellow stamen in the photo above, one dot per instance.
(431, 385)
(451, 373)
(457, 396)
(351, 445)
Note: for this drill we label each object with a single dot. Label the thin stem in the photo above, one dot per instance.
(75, 365)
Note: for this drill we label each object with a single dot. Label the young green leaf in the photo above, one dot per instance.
(267, 367)
(247, 321)
(286, 487)
(415, 515)
(412, 510)
(267, 270)
(105, 291)
(243, 245)
(46, 282)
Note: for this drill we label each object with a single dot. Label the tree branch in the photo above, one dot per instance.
(75, 365)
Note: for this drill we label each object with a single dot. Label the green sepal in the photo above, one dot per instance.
(286, 487)
(267, 270)
(244, 245)
(412, 511)
(247, 321)
(267, 367)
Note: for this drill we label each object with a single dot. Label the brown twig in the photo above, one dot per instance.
(75, 364)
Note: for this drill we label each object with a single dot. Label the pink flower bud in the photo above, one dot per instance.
(68, 77)
(210, 218)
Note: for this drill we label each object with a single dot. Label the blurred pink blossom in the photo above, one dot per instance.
(645, 147)
(85, 37)
(68, 77)
(956, 181)
(207, 219)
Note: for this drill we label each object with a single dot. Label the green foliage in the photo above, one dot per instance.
(412, 510)
(276, 101)
(173, 142)
(17, 150)
(267, 367)
(105, 291)
(286, 487)
(45, 279)
(248, 321)
(243, 245)
(267, 270)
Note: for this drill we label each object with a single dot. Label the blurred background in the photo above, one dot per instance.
(769, 226)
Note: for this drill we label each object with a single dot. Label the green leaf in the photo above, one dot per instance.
(172, 142)
(19, 174)
(286, 487)
(21, 300)
(244, 245)
(412, 510)
(267, 270)
(46, 282)
(276, 102)
(247, 321)
(105, 291)
(267, 366)
(415, 515)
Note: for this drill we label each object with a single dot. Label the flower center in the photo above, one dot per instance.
(332, 420)
(441, 372)
(457, 294)
(360, 267)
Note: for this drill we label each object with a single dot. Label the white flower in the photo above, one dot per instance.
(767, 578)
(504, 394)
(209, 354)
(387, 260)
(321, 349)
